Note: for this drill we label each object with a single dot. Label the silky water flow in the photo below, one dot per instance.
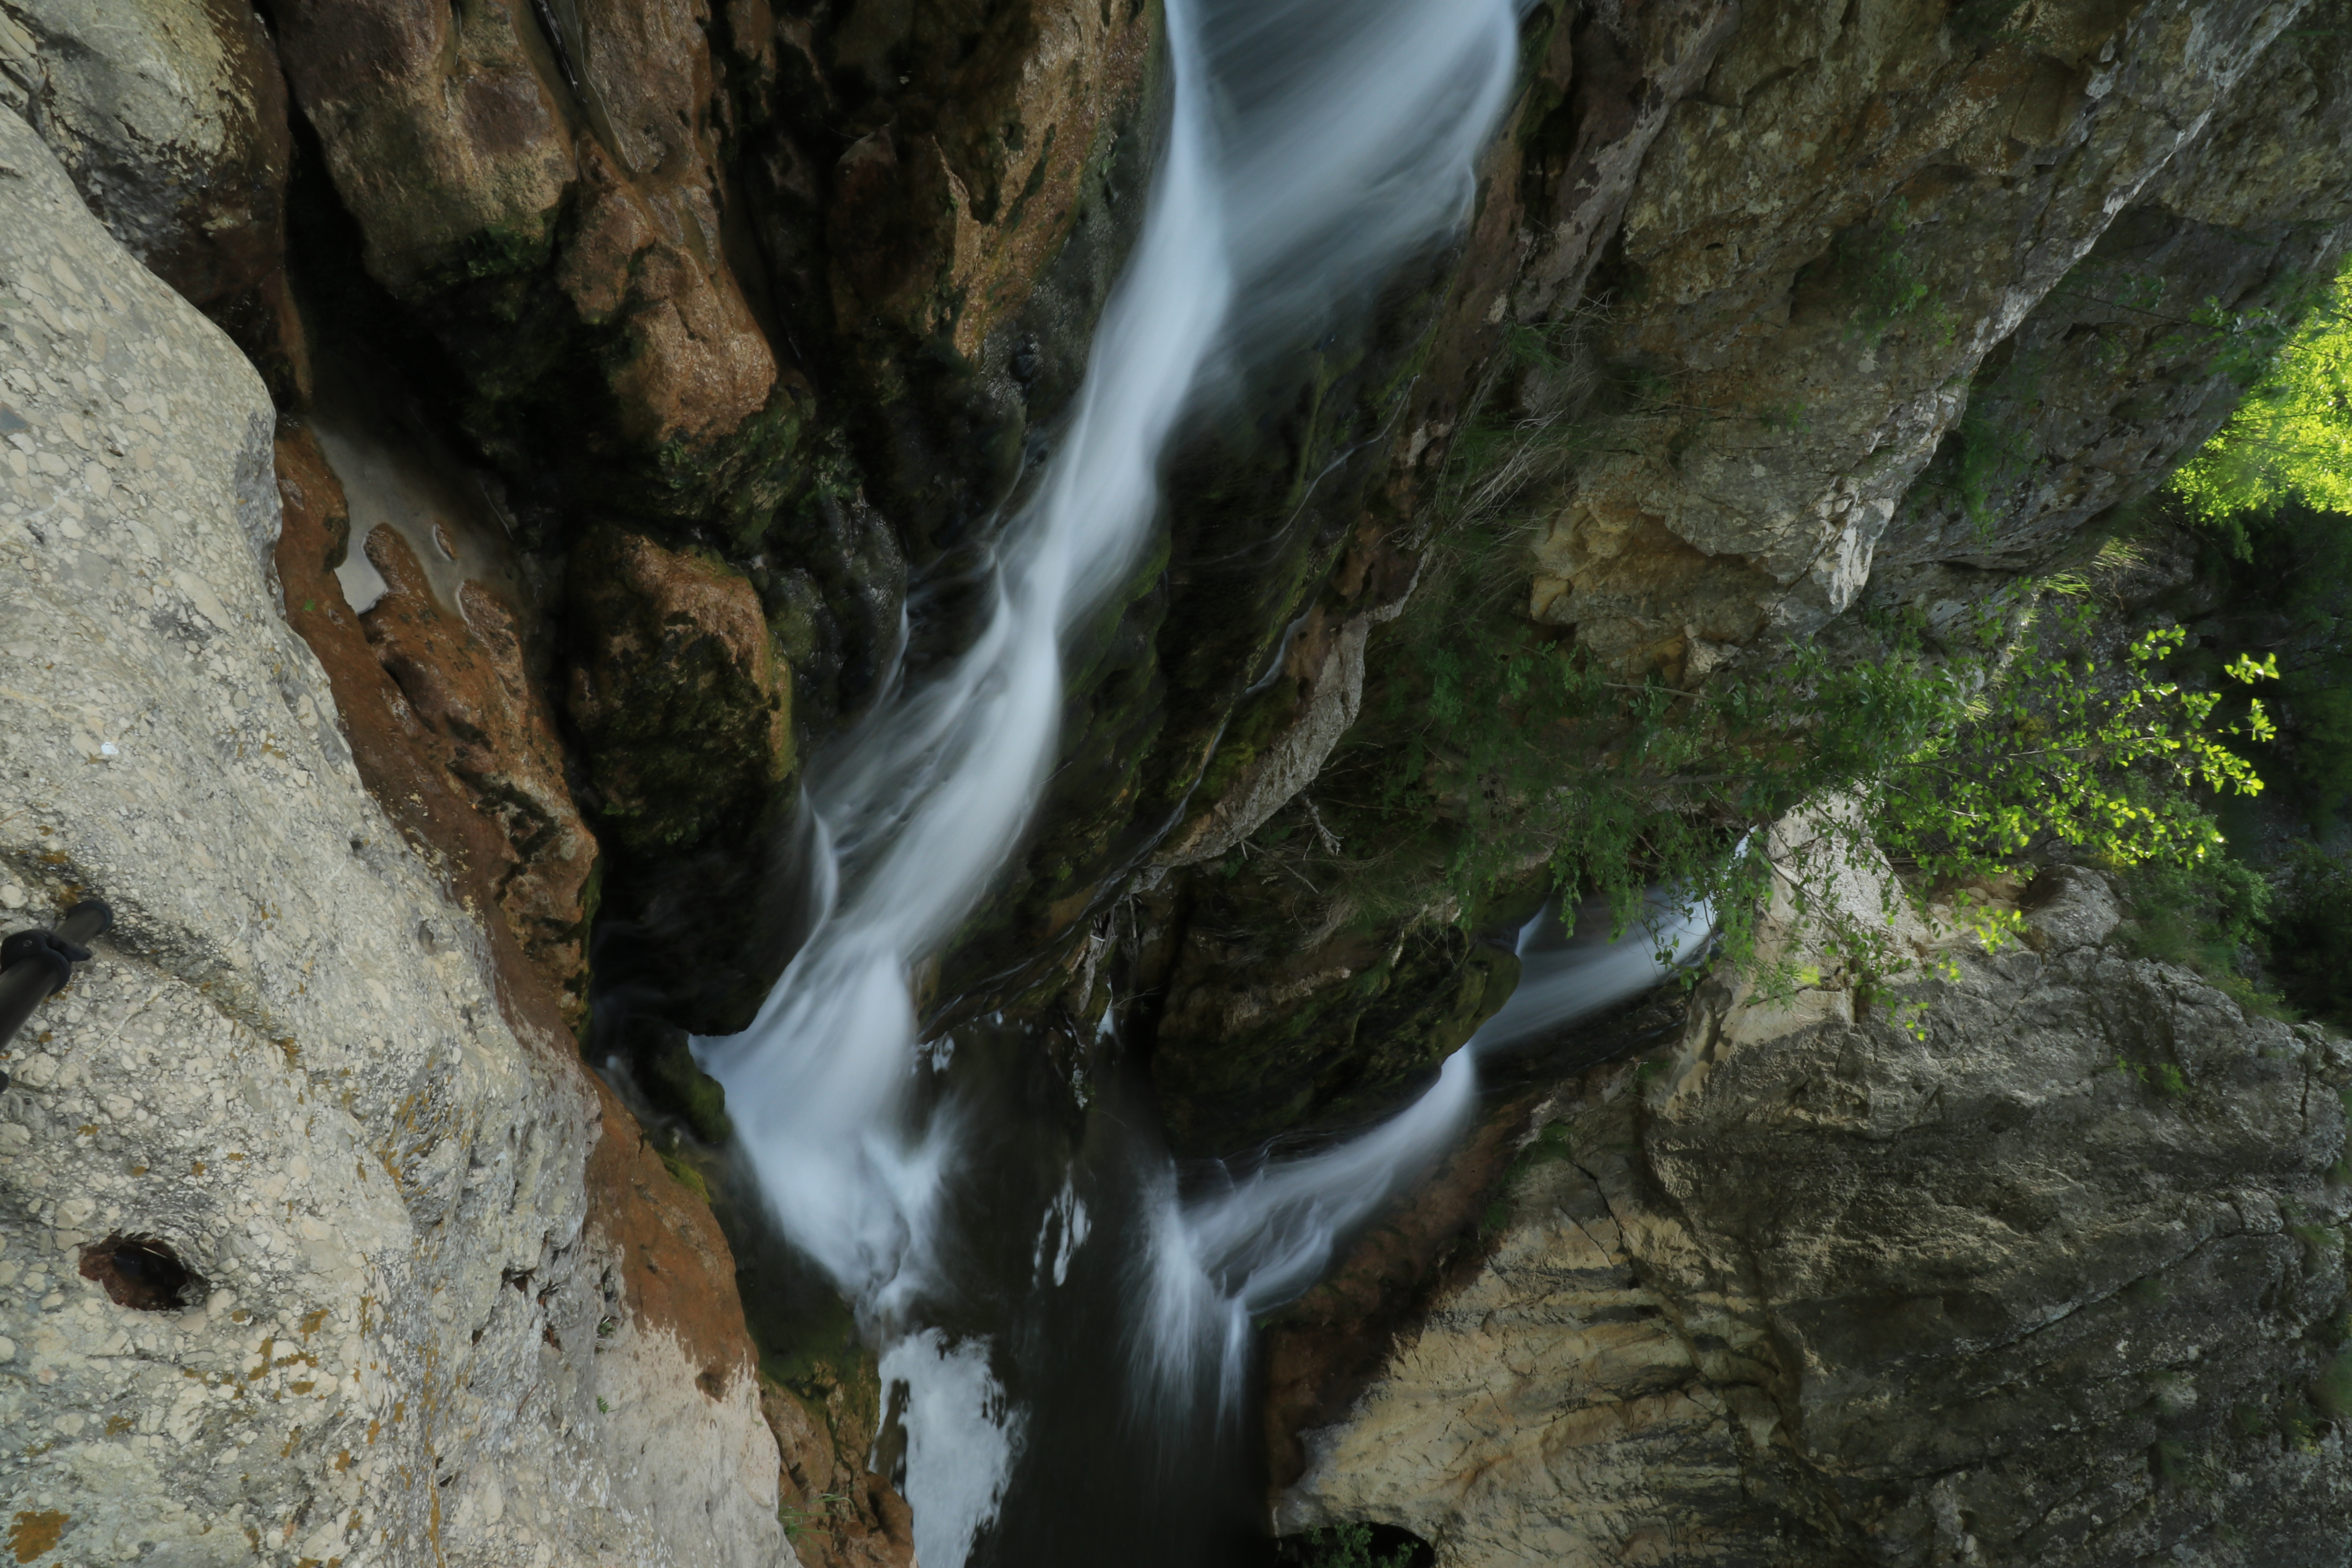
(1064, 1336)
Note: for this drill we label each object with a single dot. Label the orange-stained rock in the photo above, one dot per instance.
(851, 1518)
(427, 744)
(465, 685)
(680, 1275)
(447, 729)
(682, 703)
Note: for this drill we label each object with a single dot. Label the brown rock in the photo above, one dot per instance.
(447, 727)
(680, 1275)
(438, 129)
(455, 148)
(463, 679)
(682, 703)
(694, 365)
(848, 1515)
(943, 224)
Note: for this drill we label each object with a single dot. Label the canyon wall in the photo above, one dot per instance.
(613, 370)
(318, 1248)
(1878, 308)
(2054, 1272)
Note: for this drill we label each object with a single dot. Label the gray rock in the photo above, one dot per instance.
(287, 1064)
(2077, 908)
(170, 115)
(2051, 1273)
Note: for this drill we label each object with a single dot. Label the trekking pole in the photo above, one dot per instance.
(35, 963)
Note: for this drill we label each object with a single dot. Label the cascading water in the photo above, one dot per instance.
(1310, 143)
(1217, 1259)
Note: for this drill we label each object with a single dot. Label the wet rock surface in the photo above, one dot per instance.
(746, 318)
(446, 723)
(2057, 1278)
(680, 697)
(426, 1329)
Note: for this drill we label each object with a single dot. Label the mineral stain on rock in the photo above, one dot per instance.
(33, 1533)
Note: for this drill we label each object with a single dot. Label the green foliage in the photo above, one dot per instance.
(1347, 1546)
(2051, 747)
(798, 1521)
(1499, 748)
(2286, 584)
(2162, 1076)
(1990, 451)
(2311, 933)
(1874, 263)
(2292, 438)
(2210, 916)
(2333, 1392)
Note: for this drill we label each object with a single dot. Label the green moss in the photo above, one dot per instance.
(499, 250)
(676, 1085)
(682, 1171)
(681, 730)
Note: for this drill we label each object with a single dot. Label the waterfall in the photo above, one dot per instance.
(1310, 143)
(1214, 1261)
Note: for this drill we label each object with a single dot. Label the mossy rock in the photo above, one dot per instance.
(681, 701)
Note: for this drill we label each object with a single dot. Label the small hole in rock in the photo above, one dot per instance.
(142, 1272)
(712, 1383)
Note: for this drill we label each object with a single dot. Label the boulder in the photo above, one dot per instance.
(171, 116)
(682, 703)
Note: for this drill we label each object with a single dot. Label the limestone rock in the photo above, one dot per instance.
(1825, 239)
(171, 116)
(683, 707)
(2127, 366)
(446, 725)
(2055, 1280)
(425, 1330)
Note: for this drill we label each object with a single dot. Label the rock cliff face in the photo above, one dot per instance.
(419, 1319)
(2059, 1277)
(1771, 312)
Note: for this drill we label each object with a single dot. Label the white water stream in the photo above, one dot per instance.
(1310, 144)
